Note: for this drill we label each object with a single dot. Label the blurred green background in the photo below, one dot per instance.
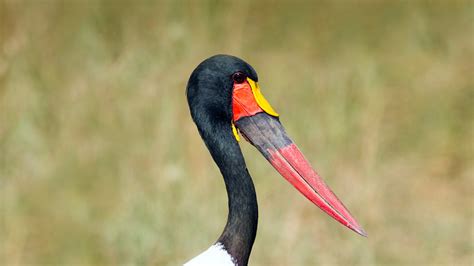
(101, 163)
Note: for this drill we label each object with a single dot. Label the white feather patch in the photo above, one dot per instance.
(216, 255)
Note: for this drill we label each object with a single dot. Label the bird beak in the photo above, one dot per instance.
(259, 124)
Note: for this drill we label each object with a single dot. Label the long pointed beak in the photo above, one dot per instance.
(266, 133)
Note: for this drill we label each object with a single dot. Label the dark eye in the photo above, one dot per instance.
(239, 77)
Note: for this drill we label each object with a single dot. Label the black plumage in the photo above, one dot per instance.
(209, 94)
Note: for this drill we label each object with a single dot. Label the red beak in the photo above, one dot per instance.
(266, 133)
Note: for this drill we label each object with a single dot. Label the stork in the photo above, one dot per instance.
(224, 100)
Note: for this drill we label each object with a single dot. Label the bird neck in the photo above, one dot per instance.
(241, 228)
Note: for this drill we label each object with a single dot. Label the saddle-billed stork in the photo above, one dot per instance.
(224, 98)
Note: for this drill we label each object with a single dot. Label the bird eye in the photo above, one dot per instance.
(238, 77)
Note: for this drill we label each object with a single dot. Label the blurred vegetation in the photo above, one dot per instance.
(101, 164)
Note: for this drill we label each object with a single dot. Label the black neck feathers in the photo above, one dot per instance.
(241, 228)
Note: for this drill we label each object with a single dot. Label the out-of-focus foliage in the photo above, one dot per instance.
(101, 164)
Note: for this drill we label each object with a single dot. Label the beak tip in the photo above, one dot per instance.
(361, 231)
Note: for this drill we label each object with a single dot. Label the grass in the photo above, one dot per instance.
(101, 164)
